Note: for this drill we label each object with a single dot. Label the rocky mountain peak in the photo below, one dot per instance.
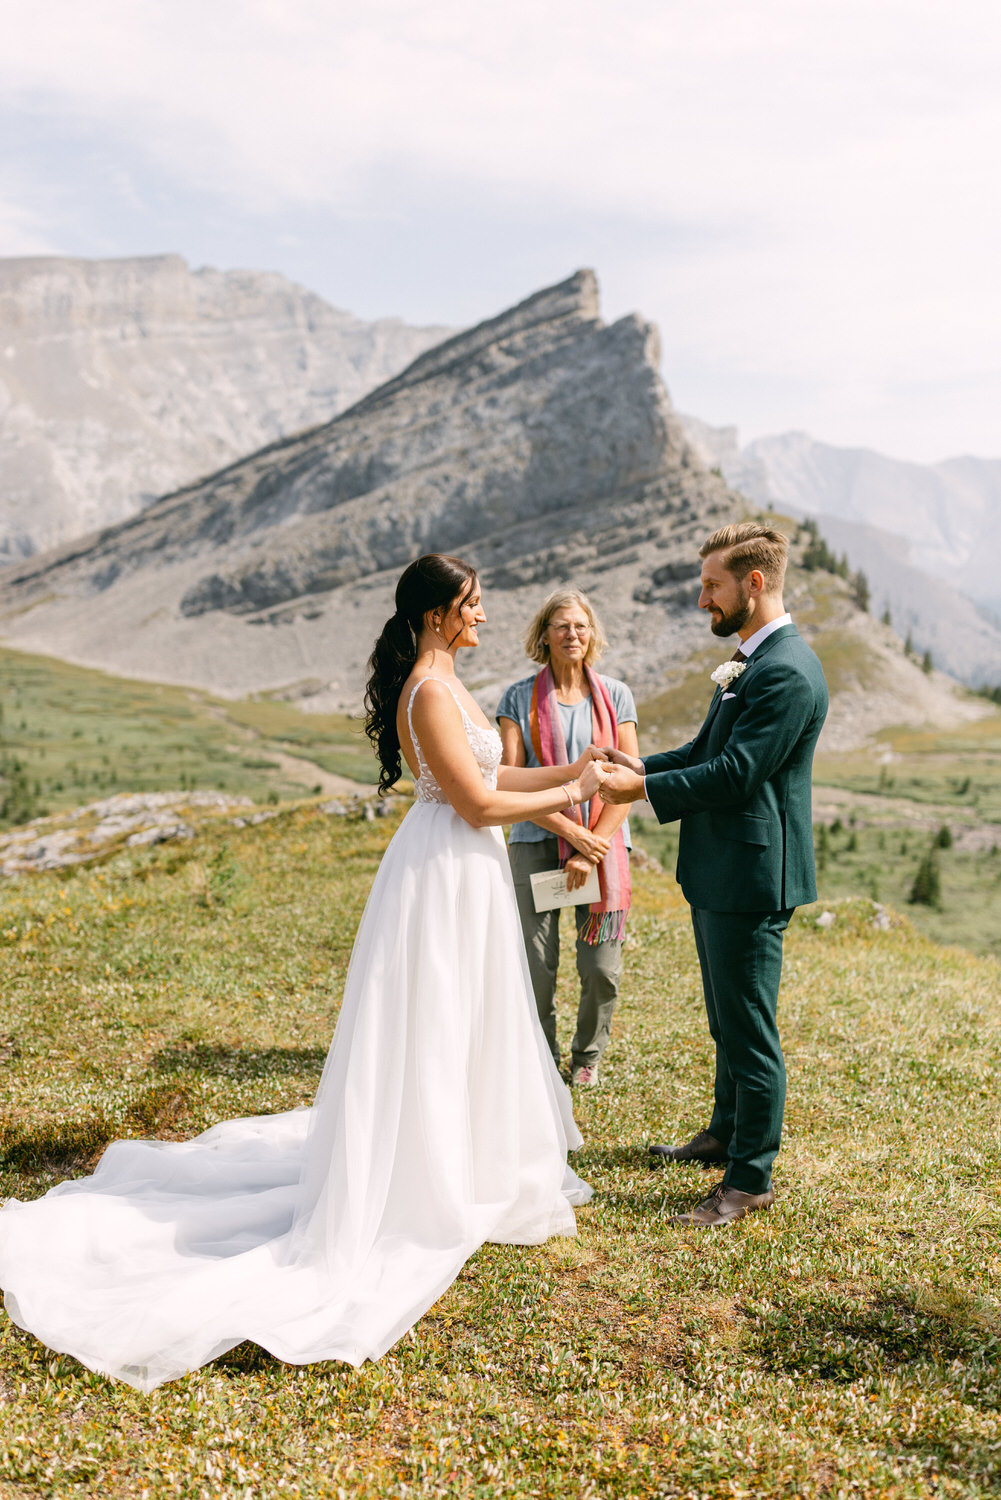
(572, 302)
(541, 443)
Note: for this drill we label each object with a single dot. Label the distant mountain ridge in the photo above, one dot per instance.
(945, 510)
(540, 444)
(921, 533)
(123, 379)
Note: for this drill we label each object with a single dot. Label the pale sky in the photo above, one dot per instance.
(802, 194)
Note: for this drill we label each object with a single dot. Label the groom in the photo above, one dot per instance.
(741, 790)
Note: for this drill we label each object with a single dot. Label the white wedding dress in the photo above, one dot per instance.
(324, 1233)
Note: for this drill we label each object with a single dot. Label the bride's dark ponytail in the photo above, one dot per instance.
(432, 582)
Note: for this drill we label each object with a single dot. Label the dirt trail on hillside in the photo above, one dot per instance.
(293, 767)
(296, 768)
(873, 809)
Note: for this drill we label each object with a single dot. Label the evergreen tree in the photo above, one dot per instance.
(927, 887)
(860, 590)
(886, 617)
(943, 839)
(817, 555)
(926, 664)
(18, 802)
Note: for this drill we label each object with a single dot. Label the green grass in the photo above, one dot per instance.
(84, 735)
(334, 741)
(901, 789)
(882, 865)
(959, 769)
(847, 1343)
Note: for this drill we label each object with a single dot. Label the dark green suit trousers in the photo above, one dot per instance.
(742, 792)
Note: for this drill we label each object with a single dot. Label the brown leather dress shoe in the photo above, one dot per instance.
(725, 1205)
(704, 1148)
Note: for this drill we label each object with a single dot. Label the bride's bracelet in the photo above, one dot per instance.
(566, 788)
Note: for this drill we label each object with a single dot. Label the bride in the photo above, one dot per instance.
(440, 1121)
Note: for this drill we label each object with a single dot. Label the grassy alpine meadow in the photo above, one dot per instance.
(863, 853)
(81, 735)
(846, 1343)
(884, 809)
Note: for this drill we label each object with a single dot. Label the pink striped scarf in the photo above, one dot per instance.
(608, 916)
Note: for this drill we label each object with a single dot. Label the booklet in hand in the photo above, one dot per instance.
(549, 890)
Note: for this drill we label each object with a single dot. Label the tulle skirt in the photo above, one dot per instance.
(324, 1233)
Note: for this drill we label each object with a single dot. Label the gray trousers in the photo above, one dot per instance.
(599, 965)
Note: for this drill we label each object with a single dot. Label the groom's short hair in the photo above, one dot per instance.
(749, 544)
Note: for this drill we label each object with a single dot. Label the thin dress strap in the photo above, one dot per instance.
(484, 743)
(422, 763)
(426, 787)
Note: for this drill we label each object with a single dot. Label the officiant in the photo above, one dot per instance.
(547, 719)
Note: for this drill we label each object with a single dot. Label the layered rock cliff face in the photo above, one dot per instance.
(123, 379)
(541, 444)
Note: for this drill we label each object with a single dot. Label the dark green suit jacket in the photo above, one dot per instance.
(742, 787)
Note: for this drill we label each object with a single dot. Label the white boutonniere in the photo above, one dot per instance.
(727, 673)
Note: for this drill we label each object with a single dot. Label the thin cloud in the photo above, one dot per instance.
(817, 181)
(734, 105)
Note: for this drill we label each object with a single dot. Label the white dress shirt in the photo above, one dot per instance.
(754, 641)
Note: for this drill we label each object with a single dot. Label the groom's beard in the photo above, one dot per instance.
(729, 624)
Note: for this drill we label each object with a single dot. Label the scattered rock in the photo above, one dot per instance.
(826, 919)
(141, 820)
(160, 835)
(128, 820)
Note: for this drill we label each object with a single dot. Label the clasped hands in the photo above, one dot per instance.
(616, 777)
(620, 775)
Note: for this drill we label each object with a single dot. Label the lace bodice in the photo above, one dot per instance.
(484, 743)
